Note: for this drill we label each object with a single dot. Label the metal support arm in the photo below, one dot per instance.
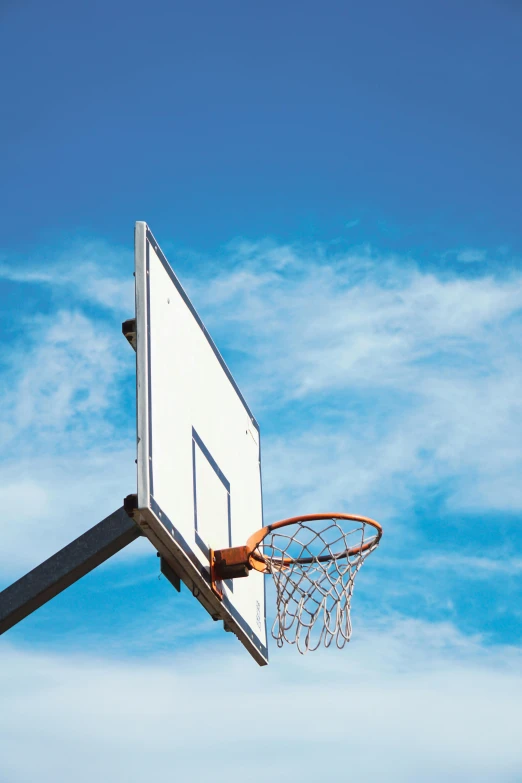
(65, 567)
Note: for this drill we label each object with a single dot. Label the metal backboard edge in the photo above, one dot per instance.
(142, 362)
(155, 523)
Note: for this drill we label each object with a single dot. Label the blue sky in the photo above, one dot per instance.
(338, 188)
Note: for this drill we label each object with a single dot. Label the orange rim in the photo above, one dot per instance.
(258, 562)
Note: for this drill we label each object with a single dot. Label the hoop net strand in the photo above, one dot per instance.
(314, 565)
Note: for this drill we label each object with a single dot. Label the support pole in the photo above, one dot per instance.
(65, 567)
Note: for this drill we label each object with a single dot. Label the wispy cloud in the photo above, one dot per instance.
(66, 372)
(66, 424)
(354, 321)
(406, 377)
(471, 255)
(91, 270)
(352, 223)
(51, 498)
(471, 567)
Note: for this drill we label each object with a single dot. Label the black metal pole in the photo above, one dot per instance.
(65, 567)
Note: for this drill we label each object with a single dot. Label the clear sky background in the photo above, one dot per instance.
(338, 187)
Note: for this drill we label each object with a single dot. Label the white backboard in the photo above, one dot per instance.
(199, 461)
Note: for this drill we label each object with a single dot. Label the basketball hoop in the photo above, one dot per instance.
(313, 560)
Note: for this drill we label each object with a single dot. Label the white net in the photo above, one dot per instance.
(314, 565)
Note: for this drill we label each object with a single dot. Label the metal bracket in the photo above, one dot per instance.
(232, 563)
(130, 504)
(128, 329)
(169, 573)
(215, 582)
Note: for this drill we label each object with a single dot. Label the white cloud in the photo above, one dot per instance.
(68, 458)
(49, 499)
(407, 379)
(471, 255)
(355, 321)
(471, 567)
(406, 702)
(68, 371)
(93, 271)
(352, 223)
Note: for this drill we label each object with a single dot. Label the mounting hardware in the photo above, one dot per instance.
(168, 572)
(128, 329)
(232, 563)
(215, 582)
(130, 504)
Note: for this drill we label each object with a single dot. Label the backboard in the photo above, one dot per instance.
(199, 463)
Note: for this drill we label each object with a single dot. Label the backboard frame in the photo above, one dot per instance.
(152, 518)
